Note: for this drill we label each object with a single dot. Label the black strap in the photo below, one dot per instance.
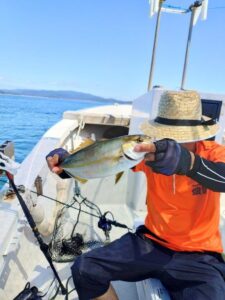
(29, 292)
(178, 122)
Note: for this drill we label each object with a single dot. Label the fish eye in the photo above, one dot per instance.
(139, 140)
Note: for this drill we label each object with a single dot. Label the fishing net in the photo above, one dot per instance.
(76, 230)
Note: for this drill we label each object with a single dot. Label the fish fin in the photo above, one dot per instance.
(118, 176)
(81, 180)
(85, 143)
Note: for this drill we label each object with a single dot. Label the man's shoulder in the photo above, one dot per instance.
(211, 150)
(209, 145)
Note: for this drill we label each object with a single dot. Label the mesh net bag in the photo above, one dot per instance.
(76, 230)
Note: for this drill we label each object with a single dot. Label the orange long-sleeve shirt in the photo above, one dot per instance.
(180, 210)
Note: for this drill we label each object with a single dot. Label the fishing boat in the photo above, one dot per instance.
(74, 217)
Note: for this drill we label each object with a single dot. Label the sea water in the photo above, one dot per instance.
(23, 119)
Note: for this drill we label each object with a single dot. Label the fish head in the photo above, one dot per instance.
(130, 142)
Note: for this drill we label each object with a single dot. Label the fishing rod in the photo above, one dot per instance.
(9, 166)
(43, 245)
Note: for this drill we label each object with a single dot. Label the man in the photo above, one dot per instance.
(180, 243)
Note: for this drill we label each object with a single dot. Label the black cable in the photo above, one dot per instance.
(92, 206)
(67, 287)
(88, 203)
(56, 293)
(50, 287)
(109, 212)
(78, 217)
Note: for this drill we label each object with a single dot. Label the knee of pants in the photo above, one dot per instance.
(83, 271)
(77, 273)
(87, 281)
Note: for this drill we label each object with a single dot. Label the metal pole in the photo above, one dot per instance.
(193, 10)
(154, 46)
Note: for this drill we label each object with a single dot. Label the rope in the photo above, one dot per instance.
(87, 202)
(55, 200)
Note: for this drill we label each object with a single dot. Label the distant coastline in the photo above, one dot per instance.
(67, 95)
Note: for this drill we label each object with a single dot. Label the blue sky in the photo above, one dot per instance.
(104, 47)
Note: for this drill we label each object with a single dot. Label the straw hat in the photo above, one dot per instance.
(180, 118)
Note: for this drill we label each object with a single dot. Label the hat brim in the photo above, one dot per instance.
(182, 134)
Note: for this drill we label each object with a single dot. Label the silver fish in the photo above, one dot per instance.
(106, 157)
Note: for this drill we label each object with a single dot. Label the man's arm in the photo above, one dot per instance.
(170, 158)
(209, 174)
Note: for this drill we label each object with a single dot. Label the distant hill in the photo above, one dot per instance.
(73, 95)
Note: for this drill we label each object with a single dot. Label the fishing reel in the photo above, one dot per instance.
(106, 224)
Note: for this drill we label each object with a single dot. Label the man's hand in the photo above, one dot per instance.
(54, 158)
(166, 157)
(53, 162)
(149, 148)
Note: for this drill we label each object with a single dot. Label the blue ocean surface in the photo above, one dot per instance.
(24, 120)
